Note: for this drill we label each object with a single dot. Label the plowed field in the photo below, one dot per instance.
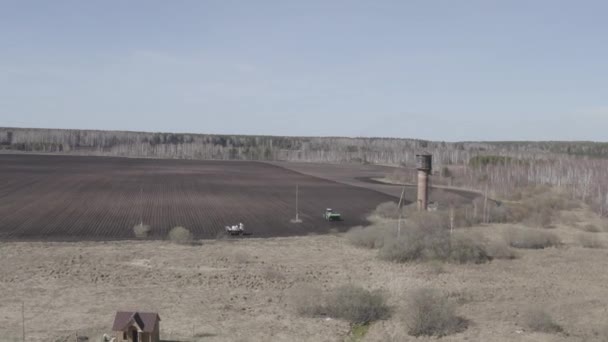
(94, 198)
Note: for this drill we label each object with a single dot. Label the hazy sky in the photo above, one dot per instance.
(442, 70)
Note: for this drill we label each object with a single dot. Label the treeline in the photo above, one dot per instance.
(231, 147)
(307, 149)
(577, 148)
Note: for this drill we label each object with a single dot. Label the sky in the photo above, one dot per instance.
(438, 70)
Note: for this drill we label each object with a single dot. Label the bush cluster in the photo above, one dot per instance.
(388, 210)
(541, 209)
(540, 321)
(591, 228)
(535, 206)
(349, 302)
(530, 238)
(180, 235)
(372, 236)
(424, 236)
(431, 314)
(141, 231)
(428, 312)
(590, 241)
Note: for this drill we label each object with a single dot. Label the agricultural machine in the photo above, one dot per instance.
(331, 215)
(237, 229)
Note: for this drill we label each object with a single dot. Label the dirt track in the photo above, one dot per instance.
(96, 198)
(363, 176)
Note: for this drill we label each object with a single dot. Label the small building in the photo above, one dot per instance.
(136, 326)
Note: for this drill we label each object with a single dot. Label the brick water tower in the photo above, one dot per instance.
(424, 165)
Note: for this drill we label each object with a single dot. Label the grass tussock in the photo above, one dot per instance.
(180, 235)
(349, 302)
(530, 238)
(541, 321)
(431, 314)
(141, 231)
(590, 241)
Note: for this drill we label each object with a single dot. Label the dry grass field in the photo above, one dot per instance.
(242, 290)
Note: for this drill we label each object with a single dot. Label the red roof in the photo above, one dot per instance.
(145, 320)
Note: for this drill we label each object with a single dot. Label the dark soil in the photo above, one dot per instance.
(99, 198)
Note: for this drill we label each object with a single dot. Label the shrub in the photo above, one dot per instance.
(542, 217)
(498, 213)
(432, 314)
(466, 248)
(591, 228)
(415, 245)
(569, 218)
(180, 235)
(429, 219)
(530, 238)
(427, 238)
(538, 207)
(349, 302)
(141, 231)
(423, 236)
(589, 241)
(357, 305)
(500, 250)
(370, 237)
(308, 301)
(389, 210)
(463, 217)
(540, 321)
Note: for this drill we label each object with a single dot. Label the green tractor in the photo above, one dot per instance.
(331, 215)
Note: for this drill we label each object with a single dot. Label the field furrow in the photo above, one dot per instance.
(96, 198)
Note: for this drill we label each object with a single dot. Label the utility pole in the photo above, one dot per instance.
(451, 219)
(23, 318)
(141, 203)
(485, 206)
(297, 219)
(400, 209)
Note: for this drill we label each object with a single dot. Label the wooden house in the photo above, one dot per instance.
(136, 326)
